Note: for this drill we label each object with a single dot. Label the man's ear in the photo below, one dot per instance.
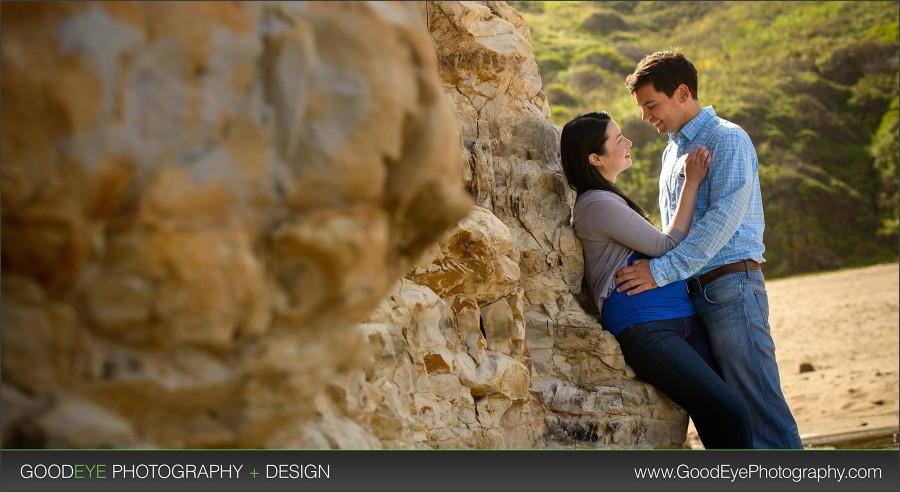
(683, 93)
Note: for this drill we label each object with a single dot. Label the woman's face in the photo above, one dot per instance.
(618, 154)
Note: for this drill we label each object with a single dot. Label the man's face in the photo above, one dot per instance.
(660, 110)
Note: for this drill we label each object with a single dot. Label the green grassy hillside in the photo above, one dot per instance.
(815, 84)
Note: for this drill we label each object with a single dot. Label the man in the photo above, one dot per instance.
(721, 256)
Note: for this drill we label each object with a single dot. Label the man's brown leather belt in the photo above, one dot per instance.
(695, 284)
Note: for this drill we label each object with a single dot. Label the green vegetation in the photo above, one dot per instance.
(814, 84)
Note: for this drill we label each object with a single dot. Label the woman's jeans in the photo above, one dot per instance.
(674, 355)
(734, 309)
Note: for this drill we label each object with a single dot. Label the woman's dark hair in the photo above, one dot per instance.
(582, 136)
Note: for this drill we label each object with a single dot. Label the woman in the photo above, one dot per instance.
(661, 337)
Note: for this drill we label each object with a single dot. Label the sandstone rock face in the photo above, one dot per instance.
(474, 276)
(511, 148)
(200, 204)
(294, 225)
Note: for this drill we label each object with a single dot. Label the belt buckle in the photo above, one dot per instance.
(693, 285)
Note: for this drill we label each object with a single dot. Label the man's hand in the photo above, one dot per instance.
(636, 277)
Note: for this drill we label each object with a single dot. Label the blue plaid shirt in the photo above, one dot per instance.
(728, 219)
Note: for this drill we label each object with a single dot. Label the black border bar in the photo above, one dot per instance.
(446, 470)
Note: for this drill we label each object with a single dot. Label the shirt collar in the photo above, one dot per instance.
(692, 128)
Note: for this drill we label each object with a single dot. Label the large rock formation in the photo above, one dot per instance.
(246, 225)
(511, 148)
(200, 204)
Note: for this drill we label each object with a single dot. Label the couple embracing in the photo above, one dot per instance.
(688, 305)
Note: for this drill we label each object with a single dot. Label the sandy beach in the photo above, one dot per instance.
(838, 348)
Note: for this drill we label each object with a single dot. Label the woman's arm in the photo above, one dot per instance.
(608, 217)
(695, 167)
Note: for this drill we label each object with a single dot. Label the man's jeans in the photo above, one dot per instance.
(674, 356)
(735, 310)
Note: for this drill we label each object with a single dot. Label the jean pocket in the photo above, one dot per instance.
(725, 289)
(756, 284)
(763, 299)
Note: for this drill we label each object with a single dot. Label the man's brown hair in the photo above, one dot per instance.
(666, 70)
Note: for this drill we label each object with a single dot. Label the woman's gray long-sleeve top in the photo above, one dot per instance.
(610, 231)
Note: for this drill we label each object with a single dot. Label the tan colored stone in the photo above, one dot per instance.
(74, 422)
(511, 148)
(43, 348)
(203, 201)
(298, 225)
(477, 259)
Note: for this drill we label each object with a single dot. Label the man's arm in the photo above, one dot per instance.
(730, 179)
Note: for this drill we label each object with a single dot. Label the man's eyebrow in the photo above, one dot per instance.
(649, 102)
